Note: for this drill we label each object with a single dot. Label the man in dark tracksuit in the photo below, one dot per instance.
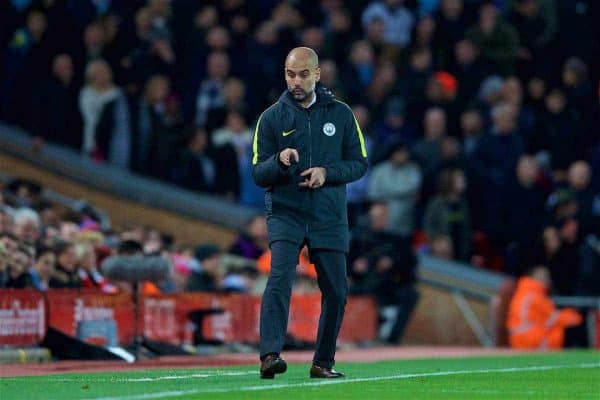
(307, 146)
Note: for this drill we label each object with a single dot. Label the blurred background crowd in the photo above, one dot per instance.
(481, 119)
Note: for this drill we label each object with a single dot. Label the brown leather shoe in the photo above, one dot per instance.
(317, 371)
(271, 365)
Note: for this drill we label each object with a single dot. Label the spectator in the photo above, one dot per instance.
(106, 129)
(19, 263)
(523, 200)
(535, 22)
(43, 269)
(497, 40)
(6, 219)
(26, 59)
(414, 81)
(382, 85)
(253, 242)
(396, 182)
(357, 191)
(195, 168)
(589, 272)
(27, 225)
(397, 19)
(66, 270)
(359, 72)
(512, 93)
(382, 264)
(156, 130)
(451, 24)
(578, 90)
(235, 134)
(562, 134)
(210, 93)
(471, 125)
(558, 256)
(88, 272)
(336, 38)
(533, 320)
(4, 261)
(427, 151)
(495, 159)
(447, 214)
(209, 278)
(588, 212)
(55, 116)
(234, 93)
(330, 78)
(441, 247)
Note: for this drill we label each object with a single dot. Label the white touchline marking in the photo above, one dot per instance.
(173, 393)
(212, 374)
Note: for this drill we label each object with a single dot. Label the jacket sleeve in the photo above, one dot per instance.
(266, 169)
(354, 163)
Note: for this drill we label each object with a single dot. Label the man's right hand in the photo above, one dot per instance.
(288, 157)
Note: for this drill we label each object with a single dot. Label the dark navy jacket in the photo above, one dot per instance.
(325, 135)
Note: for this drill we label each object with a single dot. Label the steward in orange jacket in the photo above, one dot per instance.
(533, 321)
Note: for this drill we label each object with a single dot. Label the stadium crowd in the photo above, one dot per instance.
(481, 120)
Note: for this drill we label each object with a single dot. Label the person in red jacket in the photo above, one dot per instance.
(533, 321)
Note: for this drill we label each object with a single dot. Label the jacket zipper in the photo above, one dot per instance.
(309, 141)
(310, 193)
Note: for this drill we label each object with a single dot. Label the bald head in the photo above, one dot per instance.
(302, 72)
(302, 55)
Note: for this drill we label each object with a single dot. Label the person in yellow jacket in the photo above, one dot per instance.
(533, 320)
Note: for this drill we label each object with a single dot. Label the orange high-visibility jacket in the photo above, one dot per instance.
(533, 321)
(305, 267)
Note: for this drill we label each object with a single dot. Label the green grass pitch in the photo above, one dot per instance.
(564, 375)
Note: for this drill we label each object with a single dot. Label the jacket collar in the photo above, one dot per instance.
(324, 97)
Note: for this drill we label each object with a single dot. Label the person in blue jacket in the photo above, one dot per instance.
(307, 147)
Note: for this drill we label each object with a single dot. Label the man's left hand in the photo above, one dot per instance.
(313, 177)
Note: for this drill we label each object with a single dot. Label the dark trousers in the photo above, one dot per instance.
(275, 307)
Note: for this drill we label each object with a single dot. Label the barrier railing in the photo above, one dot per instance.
(26, 314)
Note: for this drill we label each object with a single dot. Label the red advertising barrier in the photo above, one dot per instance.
(101, 318)
(22, 317)
(68, 309)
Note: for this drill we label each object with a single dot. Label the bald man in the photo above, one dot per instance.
(307, 147)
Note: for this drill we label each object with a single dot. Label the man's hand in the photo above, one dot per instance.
(313, 177)
(288, 156)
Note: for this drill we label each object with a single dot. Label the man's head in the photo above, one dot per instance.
(62, 68)
(399, 155)
(302, 72)
(488, 16)
(435, 123)
(504, 117)
(66, 256)
(541, 274)
(217, 65)
(527, 170)
(579, 175)
(19, 261)
(209, 257)
(45, 262)
(378, 217)
(98, 74)
(257, 228)
(27, 224)
(451, 9)
(471, 122)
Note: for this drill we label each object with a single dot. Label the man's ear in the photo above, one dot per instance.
(318, 74)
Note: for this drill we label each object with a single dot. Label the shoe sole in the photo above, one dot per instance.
(326, 377)
(277, 368)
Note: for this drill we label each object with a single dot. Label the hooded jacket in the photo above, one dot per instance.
(325, 135)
